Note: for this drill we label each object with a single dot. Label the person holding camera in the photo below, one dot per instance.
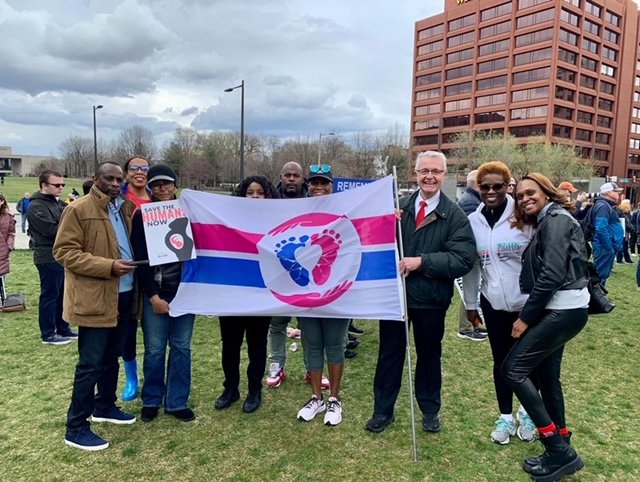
(608, 233)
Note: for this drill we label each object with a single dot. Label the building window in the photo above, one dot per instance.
(563, 93)
(607, 70)
(459, 72)
(531, 75)
(431, 31)
(456, 89)
(612, 18)
(529, 112)
(534, 37)
(636, 96)
(533, 56)
(635, 112)
(602, 138)
(609, 53)
(460, 120)
(460, 55)
(600, 155)
(522, 4)
(427, 124)
(592, 27)
(604, 104)
(602, 121)
(495, 29)
(528, 131)
(430, 63)
(589, 64)
(428, 109)
(462, 22)
(461, 39)
(575, 3)
(457, 105)
(562, 112)
(487, 117)
(586, 99)
(535, 18)
(611, 36)
(590, 45)
(494, 12)
(637, 83)
(568, 37)
(432, 47)
(584, 152)
(492, 65)
(606, 87)
(592, 8)
(583, 135)
(428, 94)
(427, 140)
(494, 99)
(529, 94)
(429, 79)
(565, 75)
(584, 117)
(569, 17)
(562, 131)
(586, 81)
(492, 48)
(634, 158)
(635, 128)
(492, 82)
(567, 56)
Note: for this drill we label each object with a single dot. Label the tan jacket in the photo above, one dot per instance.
(87, 247)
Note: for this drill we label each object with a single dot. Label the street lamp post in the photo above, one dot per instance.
(95, 138)
(322, 134)
(230, 89)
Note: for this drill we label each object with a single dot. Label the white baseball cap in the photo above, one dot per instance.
(610, 186)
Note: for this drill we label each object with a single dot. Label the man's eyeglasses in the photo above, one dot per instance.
(139, 168)
(498, 186)
(157, 186)
(433, 172)
(56, 185)
(324, 168)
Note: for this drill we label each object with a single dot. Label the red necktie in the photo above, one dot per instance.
(422, 212)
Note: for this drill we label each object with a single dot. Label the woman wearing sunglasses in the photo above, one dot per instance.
(135, 190)
(323, 336)
(234, 328)
(554, 274)
(500, 244)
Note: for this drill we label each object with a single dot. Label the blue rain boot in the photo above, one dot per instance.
(130, 391)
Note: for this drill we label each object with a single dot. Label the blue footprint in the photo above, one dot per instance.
(287, 255)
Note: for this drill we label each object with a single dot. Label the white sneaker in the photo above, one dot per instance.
(526, 428)
(334, 412)
(312, 408)
(276, 375)
(503, 432)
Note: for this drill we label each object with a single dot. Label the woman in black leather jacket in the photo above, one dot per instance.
(554, 276)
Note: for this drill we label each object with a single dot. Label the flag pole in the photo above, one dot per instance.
(406, 324)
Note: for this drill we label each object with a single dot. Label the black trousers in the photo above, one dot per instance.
(541, 349)
(428, 330)
(98, 350)
(232, 332)
(130, 340)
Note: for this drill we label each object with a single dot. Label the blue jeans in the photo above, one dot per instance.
(173, 386)
(51, 296)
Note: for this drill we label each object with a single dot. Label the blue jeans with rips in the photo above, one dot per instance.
(168, 381)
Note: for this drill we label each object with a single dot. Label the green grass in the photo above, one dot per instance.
(601, 373)
(15, 187)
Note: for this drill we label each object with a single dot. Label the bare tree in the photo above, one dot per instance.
(182, 149)
(134, 141)
(77, 154)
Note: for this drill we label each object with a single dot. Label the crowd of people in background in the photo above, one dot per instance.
(520, 247)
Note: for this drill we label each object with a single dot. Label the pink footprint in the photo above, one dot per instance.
(329, 241)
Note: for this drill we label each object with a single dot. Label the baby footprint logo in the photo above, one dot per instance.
(329, 242)
(286, 252)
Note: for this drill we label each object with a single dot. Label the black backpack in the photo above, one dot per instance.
(588, 229)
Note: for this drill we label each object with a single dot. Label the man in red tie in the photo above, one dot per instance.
(438, 247)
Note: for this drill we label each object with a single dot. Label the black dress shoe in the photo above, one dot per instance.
(379, 422)
(184, 414)
(149, 413)
(350, 354)
(431, 423)
(227, 398)
(353, 344)
(252, 403)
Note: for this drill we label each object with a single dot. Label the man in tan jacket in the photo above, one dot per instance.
(93, 246)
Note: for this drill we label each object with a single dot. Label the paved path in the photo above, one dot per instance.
(22, 240)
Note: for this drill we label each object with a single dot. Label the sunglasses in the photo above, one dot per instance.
(139, 168)
(488, 187)
(324, 168)
(56, 185)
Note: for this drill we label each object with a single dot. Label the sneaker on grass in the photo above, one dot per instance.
(325, 384)
(333, 416)
(56, 340)
(85, 439)
(276, 375)
(474, 335)
(503, 432)
(312, 408)
(526, 429)
(114, 415)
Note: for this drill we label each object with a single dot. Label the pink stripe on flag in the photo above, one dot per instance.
(376, 229)
(222, 238)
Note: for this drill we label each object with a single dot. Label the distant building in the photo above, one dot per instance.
(565, 69)
(20, 164)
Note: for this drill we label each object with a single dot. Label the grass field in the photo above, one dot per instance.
(601, 378)
(15, 187)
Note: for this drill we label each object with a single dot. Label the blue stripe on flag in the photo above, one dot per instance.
(375, 265)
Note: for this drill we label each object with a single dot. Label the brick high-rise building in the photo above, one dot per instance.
(567, 69)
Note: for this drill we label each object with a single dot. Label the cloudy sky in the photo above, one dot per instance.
(308, 67)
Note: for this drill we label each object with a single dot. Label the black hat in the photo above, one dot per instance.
(161, 172)
(322, 172)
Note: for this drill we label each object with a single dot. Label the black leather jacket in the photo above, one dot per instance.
(555, 260)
